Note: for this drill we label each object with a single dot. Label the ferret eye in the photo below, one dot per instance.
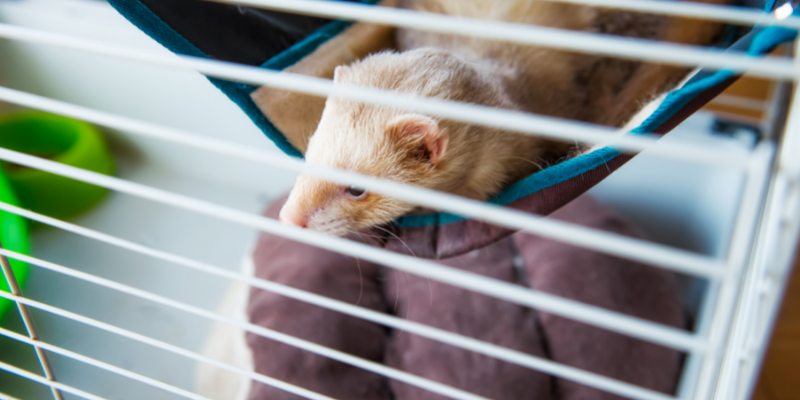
(355, 192)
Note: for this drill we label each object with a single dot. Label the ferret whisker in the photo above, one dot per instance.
(360, 282)
(405, 274)
(394, 235)
(358, 266)
(397, 296)
(371, 236)
(529, 161)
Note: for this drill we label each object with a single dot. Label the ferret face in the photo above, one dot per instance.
(401, 147)
(338, 210)
(377, 141)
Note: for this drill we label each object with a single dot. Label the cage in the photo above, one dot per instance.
(125, 296)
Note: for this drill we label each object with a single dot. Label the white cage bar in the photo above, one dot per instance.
(745, 285)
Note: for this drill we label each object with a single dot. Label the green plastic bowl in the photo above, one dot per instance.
(60, 139)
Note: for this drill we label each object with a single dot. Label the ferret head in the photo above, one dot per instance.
(378, 141)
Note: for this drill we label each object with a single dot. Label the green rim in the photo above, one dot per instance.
(60, 139)
(14, 236)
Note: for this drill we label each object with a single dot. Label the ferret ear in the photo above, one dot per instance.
(339, 73)
(421, 134)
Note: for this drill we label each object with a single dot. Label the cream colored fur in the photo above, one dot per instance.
(533, 84)
(473, 161)
(476, 161)
(295, 114)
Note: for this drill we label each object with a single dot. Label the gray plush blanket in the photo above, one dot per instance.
(523, 259)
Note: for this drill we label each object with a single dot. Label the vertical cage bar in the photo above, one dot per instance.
(780, 235)
(694, 361)
(737, 258)
(30, 327)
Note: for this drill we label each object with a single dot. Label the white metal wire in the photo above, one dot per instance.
(722, 338)
(719, 297)
(290, 340)
(5, 396)
(289, 388)
(644, 50)
(601, 317)
(445, 337)
(788, 162)
(775, 264)
(556, 369)
(515, 121)
(738, 254)
(770, 266)
(99, 364)
(709, 12)
(27, 322)
(623, 246)
(690, 375)
(42, 380)
(554, 304)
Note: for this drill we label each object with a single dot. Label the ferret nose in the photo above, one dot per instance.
(291, 216)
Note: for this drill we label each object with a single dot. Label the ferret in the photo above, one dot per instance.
(466, 160)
